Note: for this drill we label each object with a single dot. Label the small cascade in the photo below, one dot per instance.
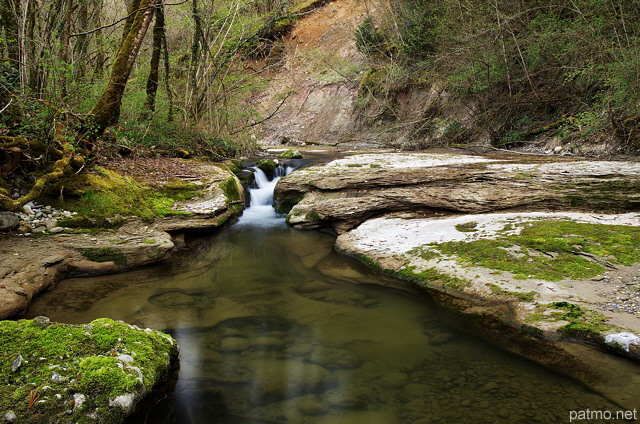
(261, 212)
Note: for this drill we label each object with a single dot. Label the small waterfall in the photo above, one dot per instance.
(261, 212)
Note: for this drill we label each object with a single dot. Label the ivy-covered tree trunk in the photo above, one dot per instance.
(154, 71)
(107, 109)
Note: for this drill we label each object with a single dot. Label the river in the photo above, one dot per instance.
(274, 326)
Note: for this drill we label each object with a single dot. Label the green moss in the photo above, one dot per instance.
(433, 276)
(523, 296)
(76, 359)
(581, 322)
(290, 154)
(493, 254)
(105, 195)
(284, 205)
(102, 375)
(312, 216)
(425, 252)
(104, 254)
(467, 227)
(551, 249)
(267, 165)
(231, 189)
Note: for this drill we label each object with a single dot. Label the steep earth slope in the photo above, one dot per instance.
(316, 68)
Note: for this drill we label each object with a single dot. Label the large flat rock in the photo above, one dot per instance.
(30, 265)
(344, 193)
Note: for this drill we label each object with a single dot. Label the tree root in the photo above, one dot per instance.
(68, 161)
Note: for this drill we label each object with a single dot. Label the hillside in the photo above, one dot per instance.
(552, 78)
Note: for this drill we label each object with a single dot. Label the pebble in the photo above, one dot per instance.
(16, 363)
(267, 343)
(394, 380)
(311, 407)
(36, 219)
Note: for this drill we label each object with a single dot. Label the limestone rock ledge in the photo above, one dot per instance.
(344, 193)
(92, 373)
(509, 248)
(551, 287)
(30, 265)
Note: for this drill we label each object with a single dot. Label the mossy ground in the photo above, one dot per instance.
(105, 194)
(523, 296)
(105, 254)
(432, 276)
(551, 250)
(61, 360)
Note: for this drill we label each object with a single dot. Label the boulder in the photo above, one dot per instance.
(9, 221)
(77, 363)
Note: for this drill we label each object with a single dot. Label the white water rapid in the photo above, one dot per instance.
(261, 212)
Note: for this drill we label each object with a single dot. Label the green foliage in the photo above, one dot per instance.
(518, 61)
(368, 38)
(419, 28)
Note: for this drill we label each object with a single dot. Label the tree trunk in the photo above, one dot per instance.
(9, 16)
(107, 109)
(196, 48)
(154, 72)
(65, 49)
(101, 56)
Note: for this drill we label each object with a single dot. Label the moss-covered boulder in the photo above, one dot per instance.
(291, 154)
(93, 373)
(268, 166)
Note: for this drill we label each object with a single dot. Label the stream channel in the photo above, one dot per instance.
(274, 326)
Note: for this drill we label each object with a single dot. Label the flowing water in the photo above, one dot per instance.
(275, 327)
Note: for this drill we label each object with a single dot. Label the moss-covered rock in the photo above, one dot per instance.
(268, 166)
(93, 373)
(290, 154)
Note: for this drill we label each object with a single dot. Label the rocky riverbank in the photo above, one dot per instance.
(45, 244)
(518, 249)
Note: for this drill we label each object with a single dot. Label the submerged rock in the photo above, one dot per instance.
(279, 380)
(334, 358)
